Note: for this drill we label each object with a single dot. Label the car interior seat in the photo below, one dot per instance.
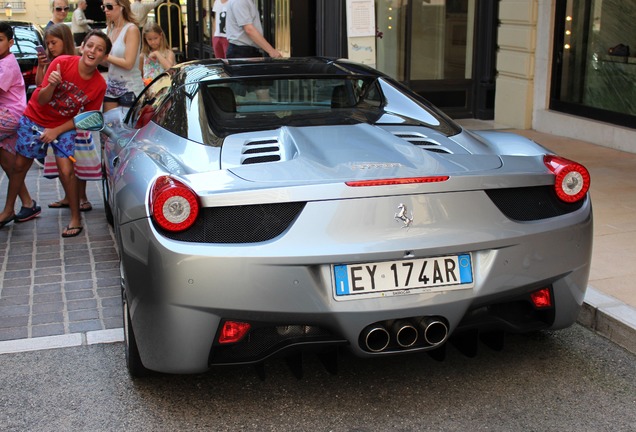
(223, 98)
(339, 97)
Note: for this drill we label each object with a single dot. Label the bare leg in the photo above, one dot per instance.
(7, 160)
(16, 183)
(85, 204)
(81, 185)
(69, 183)
(82, 190)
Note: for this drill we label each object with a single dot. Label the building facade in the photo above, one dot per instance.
(557, 66)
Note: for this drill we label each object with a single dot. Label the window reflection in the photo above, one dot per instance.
(440, 43)
(597, 69)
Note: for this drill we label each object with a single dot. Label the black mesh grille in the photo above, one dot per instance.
(262, 342)
(239, 224)
(531, 203)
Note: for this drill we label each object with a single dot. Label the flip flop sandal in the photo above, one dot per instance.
(6, 221)
(58, 205)
(86, 206)
(70, 231)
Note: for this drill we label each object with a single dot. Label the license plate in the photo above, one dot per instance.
(382, 279)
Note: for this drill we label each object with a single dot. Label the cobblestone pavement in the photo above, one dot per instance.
(50, 285)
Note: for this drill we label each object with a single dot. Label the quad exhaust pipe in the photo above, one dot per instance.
(376, 338)
(404, 333)
(435, 331)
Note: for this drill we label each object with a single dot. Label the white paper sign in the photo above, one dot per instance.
(360, 18)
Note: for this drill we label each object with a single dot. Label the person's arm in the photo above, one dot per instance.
(41, 69)
(80, 18)
(150, 6)
(50, 134)
(259, 40)
(141, 64)
(166, 60)
(131, 40)
(54, 78)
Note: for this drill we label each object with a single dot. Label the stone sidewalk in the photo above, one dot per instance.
(51, 285)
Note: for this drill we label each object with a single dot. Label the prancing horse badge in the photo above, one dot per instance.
(402, 215)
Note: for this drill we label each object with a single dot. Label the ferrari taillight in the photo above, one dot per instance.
(572, 180)
(233, 331)
(173, 205)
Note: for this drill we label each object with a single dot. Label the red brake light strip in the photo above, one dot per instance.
(397, 181)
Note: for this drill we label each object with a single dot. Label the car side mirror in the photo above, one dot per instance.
(89, 120)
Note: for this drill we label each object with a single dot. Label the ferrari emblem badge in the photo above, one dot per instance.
(402, 215)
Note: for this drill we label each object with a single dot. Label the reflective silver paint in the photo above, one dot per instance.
(179, 292)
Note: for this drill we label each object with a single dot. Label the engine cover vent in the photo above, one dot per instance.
(422, 141)
(260, 151)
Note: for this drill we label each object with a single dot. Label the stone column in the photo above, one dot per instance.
(515, 63)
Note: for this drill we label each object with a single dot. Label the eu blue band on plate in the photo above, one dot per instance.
(465, 269)
(342, 280)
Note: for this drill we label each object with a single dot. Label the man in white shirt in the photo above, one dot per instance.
(80, 24)
(244, 31)
(141, 10)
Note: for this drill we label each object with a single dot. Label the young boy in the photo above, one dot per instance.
(71, 84)
(12, 104)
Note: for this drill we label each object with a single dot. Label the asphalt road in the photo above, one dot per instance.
(572, 380)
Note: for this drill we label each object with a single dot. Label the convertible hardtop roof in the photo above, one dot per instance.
(267, 67)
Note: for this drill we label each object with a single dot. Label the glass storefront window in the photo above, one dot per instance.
(594, 70)
(440, 41)
(390, 40)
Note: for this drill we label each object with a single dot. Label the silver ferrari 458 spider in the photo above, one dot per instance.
(273, 207)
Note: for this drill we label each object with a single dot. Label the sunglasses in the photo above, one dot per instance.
(60, 9)
(110, 7)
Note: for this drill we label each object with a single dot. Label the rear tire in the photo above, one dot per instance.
(136, 368)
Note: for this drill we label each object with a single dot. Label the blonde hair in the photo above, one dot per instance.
(53, 4)
(153, 27)
(126, 12)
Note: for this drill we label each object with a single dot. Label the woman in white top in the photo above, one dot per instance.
(124, 76)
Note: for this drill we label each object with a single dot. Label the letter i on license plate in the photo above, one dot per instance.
(387, 278)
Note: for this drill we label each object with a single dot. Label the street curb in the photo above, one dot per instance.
(609, 317)
(62, 341)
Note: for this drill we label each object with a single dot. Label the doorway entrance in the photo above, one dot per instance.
(442, 49)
